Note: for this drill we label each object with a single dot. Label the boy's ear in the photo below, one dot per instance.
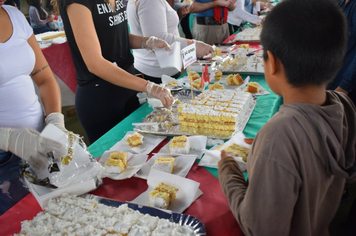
(272, 63)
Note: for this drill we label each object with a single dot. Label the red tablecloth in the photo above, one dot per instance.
(60, 60)
(211, 208)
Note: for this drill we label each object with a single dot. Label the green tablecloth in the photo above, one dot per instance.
(266, 107)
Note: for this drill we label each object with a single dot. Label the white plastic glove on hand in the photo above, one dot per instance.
(28, 144)
(56, 119)
(203, 49)
(154, 42)
(161, 93)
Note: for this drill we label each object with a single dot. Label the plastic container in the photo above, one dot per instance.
(60, 24)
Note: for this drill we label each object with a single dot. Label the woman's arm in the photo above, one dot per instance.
(43, 76)
(85, 36)
(153, 24)
(240, 13)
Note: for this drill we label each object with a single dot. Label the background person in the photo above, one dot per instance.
(301, 158)
(21, 114)
(97, 34)
(39, 18)
(345, 80)
(144, 21)
(239, 14)
(210, 22)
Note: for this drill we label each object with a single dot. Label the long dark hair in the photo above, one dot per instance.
(38, 5)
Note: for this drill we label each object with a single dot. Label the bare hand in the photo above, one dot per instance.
(183, 11)
(341, 90)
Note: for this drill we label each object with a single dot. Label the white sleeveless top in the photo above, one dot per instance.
(19, 105)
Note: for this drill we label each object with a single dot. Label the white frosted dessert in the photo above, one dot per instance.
(180, 144)
(165, 164)
(73, 216)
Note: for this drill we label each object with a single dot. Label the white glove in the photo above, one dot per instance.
(154, 42)
(28, 144)
(56, 119)
(161, 93)
(203, 49)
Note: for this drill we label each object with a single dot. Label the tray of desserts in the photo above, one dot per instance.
(240, 62)
(248, 35)
(167, 223)
(215, 114)
(93, 215)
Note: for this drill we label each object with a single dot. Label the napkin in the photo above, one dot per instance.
(197, 146)
(182, 165)
(188, 190)
(149, 143)
(170, 59)
(134, 164)
(212, 156)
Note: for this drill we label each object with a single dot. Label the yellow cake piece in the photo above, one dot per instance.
(119, 156)
(238, 150)
(196, 84)
(216, 86)
(234, 80)
(217, 52)
(172, 83)
(193, 75)
(218, 75)
(246, 46)
(135, 140)
(117, 159)
(181, 144)
(252, 87)
(162, 187)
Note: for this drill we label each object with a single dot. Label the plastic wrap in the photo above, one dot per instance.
(73, 169)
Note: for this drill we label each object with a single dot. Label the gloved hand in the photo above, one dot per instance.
(203, 48)
(56, 119)
(154, 42)
(28, 144)
(161, 93)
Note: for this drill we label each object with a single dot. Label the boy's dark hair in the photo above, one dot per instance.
(308, 37)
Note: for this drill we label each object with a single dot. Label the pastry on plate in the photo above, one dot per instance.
(252, 87)
(116, 163)
(135, 140)
(165, 164)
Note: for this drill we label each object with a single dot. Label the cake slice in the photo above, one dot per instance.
(197, 84)
(193, 75)
(252, 87)
(218, 75)
(165, 164)
(172, 191)
(135, 140)
(162, 196)
(179, 145)
(234, 80)
(116, 163)
(216, 86)
(238, 150)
